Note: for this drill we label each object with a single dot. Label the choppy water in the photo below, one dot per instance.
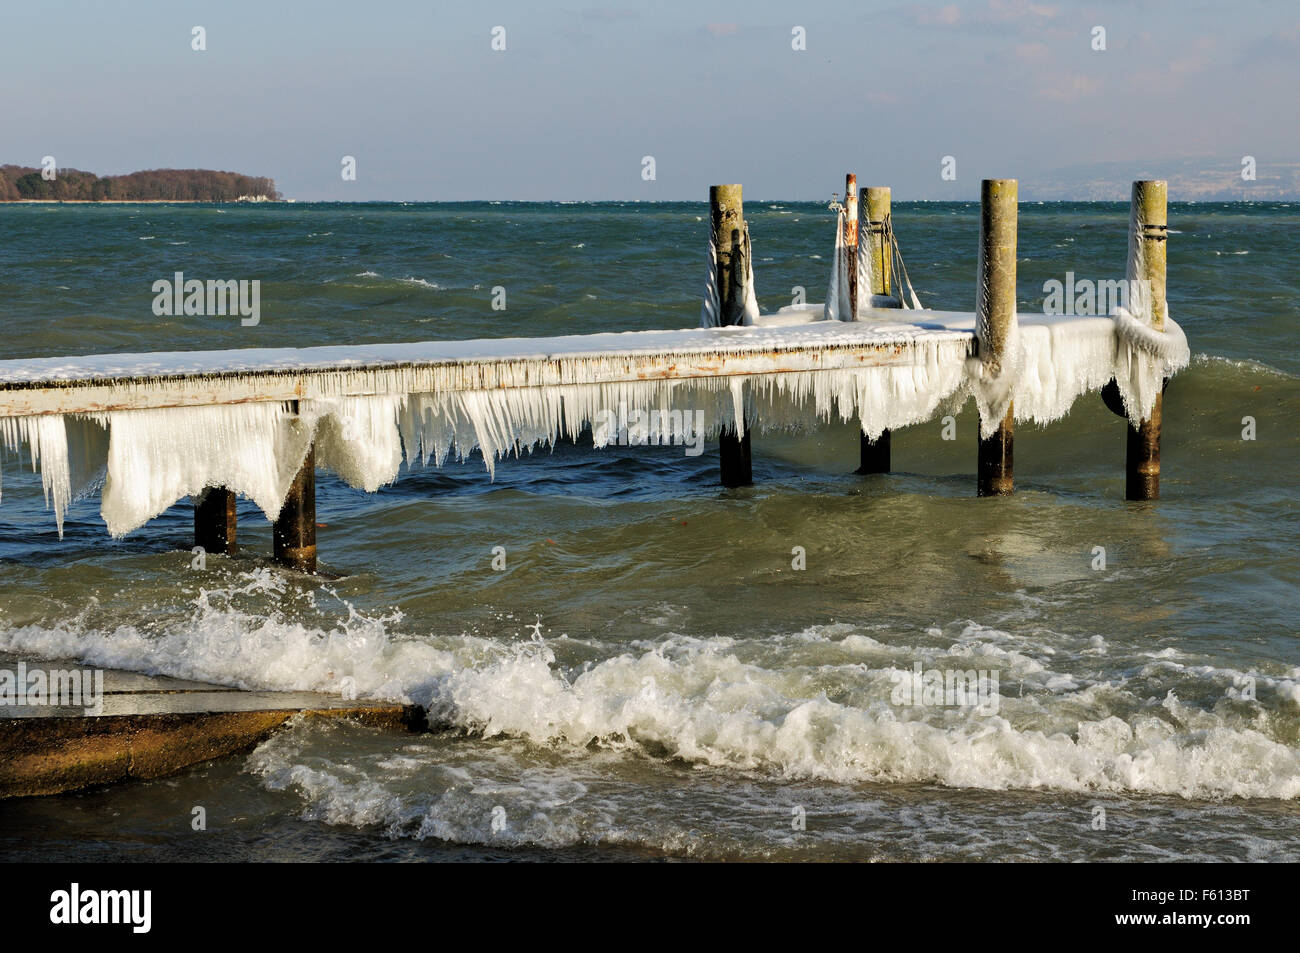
(691, 694)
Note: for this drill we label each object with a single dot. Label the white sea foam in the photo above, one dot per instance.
(812, 705)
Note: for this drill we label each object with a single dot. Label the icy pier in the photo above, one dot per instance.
(791, 342)
(152, 429)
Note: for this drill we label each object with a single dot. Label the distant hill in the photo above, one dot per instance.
(1196, 179)
(156, 185)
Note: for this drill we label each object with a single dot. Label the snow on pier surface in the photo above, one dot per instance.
(154, 428)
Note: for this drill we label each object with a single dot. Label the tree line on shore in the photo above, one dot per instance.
(171, 185)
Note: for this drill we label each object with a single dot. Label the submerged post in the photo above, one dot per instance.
(727, 219)
(1150, 225)
(995, 319)
(215, 521)
(876, 199)
(295, 527)
(851, 242)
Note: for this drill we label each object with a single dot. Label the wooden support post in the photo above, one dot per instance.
(215, 521)
(295, 527)
(851, 241)
(1150, 227)
(876, 200)
(727, 219)
(995, 318)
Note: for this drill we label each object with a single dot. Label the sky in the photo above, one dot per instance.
(585, 90)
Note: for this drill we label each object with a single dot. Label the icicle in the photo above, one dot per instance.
(505, 397)
(1145, 356)
(47, 441)
(865, 265)
(837, 294)
(711, 309)
(157, 457)
(993, 378)
(751, 296)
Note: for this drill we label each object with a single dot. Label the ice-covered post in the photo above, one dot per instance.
(1150, 217)
(851, 241)
(215, 521)
(295, 527)
(995, 320)
(876, 199)
(727, 218)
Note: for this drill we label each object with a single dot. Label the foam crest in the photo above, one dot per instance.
(809, 705)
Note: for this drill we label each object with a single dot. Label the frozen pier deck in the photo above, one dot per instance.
(781, 343)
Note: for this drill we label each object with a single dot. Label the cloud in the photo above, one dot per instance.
(1015, 15)
(943, 16)
(1033, 52)
(1068, 87)
(609, 14)
(1281, 45)
(1173, 75)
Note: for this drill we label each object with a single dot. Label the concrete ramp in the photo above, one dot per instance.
(152, 726)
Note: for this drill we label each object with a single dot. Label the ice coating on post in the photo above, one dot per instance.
(1154, 346)
(729, 296)
(852, 256)
(998, 369)
(873, 279)
(873, 247)
(843, 287)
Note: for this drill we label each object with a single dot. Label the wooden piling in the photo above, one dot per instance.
(295, 528)
(1150, 229)
(727, 219)
(215, 522)
(876, 201)
(995, 318)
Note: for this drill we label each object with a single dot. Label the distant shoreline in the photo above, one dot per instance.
(53, 183)
(142, 202)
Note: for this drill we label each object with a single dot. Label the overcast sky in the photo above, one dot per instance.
(584, 90)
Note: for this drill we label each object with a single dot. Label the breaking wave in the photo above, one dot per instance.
(814, 704)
